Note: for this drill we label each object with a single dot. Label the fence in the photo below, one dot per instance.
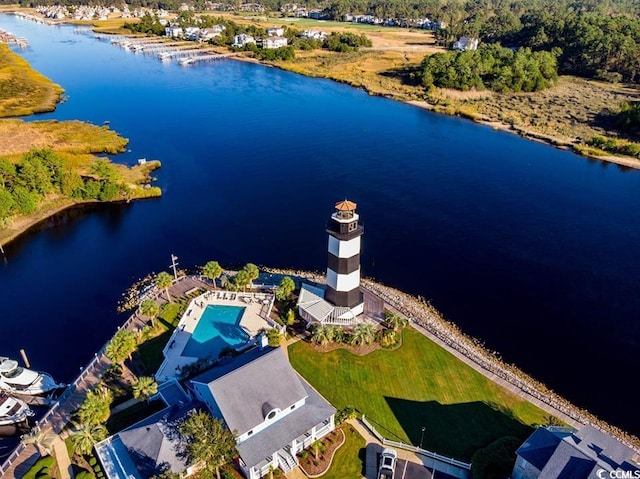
(440, 463)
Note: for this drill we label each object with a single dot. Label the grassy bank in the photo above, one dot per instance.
(24, 91)
(420, 384)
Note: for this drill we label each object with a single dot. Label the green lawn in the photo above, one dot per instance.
(419, 385)
(150, 352)
(348, 462)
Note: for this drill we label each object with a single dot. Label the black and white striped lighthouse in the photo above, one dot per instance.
(343, 269)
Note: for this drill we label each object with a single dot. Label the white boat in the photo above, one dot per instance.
(12, 410)
(19, 380)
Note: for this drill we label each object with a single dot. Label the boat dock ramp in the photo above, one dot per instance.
(11, 39)
(184, 52)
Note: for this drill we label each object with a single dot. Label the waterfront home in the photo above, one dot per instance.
(317, 14)
(466, 43)
(314, 34)
(192, 33)
(275, 31)
(150, 446)
(588, 453)
(273, 412)
(174, 32)
(242, 39)
(274, 42)
(210, 33)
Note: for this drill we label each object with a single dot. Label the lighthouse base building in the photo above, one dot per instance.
(340, 301)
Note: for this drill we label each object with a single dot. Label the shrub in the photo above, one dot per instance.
(348, 412)
(495, 460)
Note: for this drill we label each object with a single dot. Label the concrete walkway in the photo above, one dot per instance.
(59, 450)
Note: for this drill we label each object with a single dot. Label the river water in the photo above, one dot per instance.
(532, 249)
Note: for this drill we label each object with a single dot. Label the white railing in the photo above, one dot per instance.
(410, 447)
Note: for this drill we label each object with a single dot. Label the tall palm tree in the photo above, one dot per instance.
(145, 387)
(96, 407)
(252, 272)
(41, 440)
(164, 281)
(150, 309)
(212, 270)
(87, 436)
(363, 334)
(121, 346)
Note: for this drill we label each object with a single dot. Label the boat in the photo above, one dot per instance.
(18, 380)
(12, 410)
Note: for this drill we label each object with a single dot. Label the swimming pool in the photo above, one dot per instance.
(218, 328)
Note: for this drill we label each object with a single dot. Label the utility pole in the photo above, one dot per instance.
(173, 265)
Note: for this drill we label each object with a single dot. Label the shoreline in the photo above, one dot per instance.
(29, 223)
(427, 319)
(623, 161)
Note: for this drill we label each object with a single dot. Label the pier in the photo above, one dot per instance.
(10, 39)
(57, 418)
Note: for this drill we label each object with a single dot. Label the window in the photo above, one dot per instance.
(293, 407)
(250, 432)
(272, 414)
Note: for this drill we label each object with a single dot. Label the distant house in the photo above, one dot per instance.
(210, 33)
(314, 34)
(174, 32)
(192, 33)
(242, 39)
(316, 14)
(275, 31)
(273, 412)
(274, 42)
(466, 43)
(553, 452)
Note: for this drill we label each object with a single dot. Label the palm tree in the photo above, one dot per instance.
(252, 272)
(285, 288)
(87, 436)
(241, 279)
(41, 440)
(363, 334)
(150, 309)
(121, 346)
(394, 321)
(339, 335)
(319, 335)
(212, 270)
(145, 387)
(164, 281)
(317, 448)
(224, 281)
(96, 407)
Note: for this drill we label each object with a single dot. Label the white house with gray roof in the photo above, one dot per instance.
(556, 452)
(273, 412)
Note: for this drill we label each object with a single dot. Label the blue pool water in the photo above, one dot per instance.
(218, 328)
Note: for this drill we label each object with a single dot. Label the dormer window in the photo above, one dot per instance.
(269, 411)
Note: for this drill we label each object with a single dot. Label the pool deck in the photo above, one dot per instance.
(257, 307)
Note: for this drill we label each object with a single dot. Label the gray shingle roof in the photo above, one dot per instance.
(153, 446)
(315, 410)
(539, 447)
(575, 456)
(242, 394)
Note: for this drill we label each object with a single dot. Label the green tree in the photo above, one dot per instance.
(317, 447)
(7, 173)
(207, 441)
(394, 321)
(26, 201)
(164, 281)
(145, 387)
(104, 170)
(121, 346)
(212, 270)
(86, 436)
(285, 288)
(33, 174)
(274, 337)
(71, 184)
(150, 309)
(320, 335)
(95, 409)
(363, 334)
(252, 272)
(241, 279)
(7, 205)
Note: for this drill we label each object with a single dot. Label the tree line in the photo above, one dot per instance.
(38, 173)
(491, 67)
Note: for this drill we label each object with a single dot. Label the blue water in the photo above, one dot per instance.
(217, 329)
(532, 249)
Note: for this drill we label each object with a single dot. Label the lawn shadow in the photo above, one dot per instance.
(455, 430)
